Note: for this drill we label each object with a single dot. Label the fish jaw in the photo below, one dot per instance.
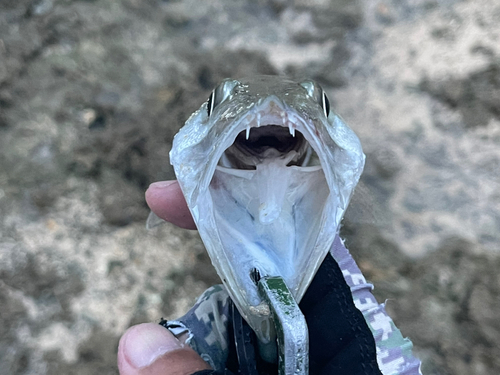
(273, 220)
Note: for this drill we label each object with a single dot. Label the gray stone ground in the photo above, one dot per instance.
(92, 92)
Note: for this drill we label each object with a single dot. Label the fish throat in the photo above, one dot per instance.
(271, 141)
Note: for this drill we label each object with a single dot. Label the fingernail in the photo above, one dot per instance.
(161, 184)
(145, 343)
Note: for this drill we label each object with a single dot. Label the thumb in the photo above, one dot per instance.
(151, 349)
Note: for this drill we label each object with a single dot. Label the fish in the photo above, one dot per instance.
(267, 169)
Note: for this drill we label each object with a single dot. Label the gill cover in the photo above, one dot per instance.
(261, 203)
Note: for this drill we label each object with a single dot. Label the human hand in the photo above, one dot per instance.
(150, 348)
(166, 200)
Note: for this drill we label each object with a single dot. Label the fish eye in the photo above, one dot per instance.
(220, 94)
(316, 93)
(326, 104)
(210, 103)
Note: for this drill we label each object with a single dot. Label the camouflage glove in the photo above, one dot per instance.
(349, 332)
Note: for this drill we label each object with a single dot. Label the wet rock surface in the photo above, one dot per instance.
(92, 92)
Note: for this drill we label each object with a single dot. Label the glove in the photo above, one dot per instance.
(349, 332)
(340, 341)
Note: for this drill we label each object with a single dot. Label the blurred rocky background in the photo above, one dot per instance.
(92, 92)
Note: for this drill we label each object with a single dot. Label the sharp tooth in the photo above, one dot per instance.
(258, 119)
(283, 118)
(248, 131)
(291, 129)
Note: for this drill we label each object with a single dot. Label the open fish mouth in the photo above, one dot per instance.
(263, 191)
(256, 144)
(267, 173)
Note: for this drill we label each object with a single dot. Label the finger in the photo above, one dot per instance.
(166, 200)
(151, 349)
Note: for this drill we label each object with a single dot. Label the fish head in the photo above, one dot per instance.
(267, 169)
